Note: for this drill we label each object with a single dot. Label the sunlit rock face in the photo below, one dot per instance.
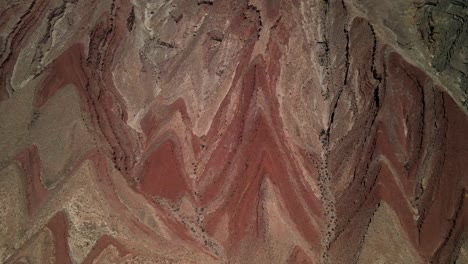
(261, 131)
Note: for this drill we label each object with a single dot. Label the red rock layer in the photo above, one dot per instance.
(36, 192)
(228, 150)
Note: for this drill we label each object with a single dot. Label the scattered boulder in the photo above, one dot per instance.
(216, 35)
(205, 2)
(177, 15)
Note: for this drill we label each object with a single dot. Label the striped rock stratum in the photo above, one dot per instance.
(220, 131)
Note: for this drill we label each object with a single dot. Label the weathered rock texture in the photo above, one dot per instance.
(261, 131)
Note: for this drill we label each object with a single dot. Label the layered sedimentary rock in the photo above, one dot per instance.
(432, 34)
(233, 131)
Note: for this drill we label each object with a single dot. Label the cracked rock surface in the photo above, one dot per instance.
(250, 131)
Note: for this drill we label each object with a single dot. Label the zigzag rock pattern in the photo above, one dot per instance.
(224, 131)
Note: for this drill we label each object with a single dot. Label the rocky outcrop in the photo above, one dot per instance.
(432, 34)
(232, 132)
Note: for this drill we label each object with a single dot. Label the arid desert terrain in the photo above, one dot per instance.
(234, 131)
